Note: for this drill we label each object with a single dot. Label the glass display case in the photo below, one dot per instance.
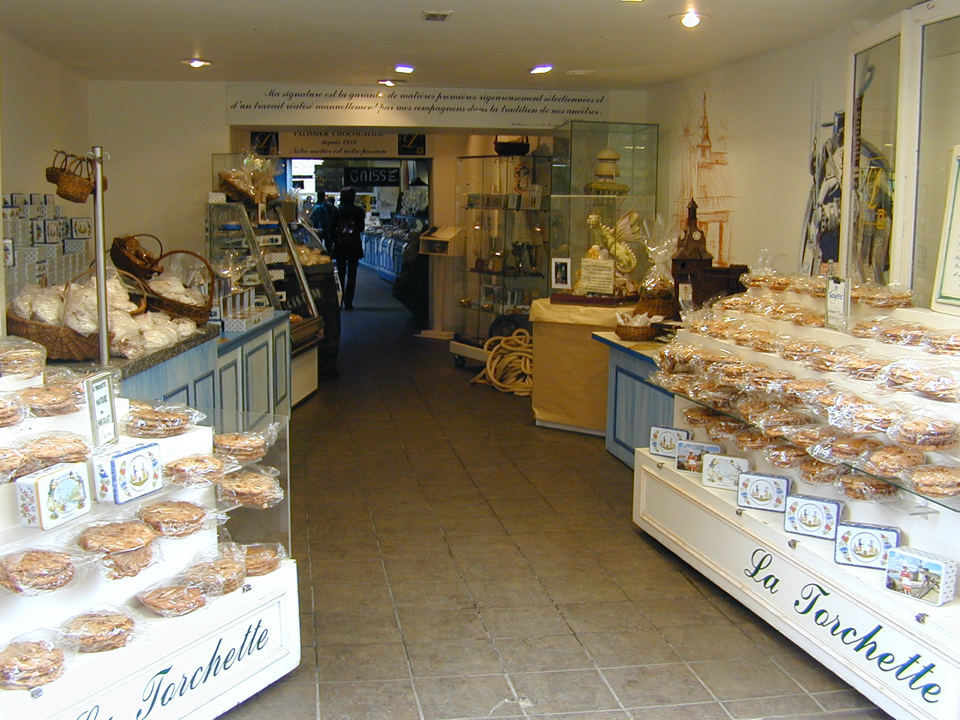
(264, 257)
(503, 205)
(604, 188)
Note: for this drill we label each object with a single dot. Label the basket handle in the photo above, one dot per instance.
(60, 159)
(76, 166)
(202, 259)
(137, 236)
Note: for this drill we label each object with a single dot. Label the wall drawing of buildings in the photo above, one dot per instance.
(705, 177)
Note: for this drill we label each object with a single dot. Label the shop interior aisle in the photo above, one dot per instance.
(456, 561)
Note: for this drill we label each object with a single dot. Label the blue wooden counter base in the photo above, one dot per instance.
(634, 405)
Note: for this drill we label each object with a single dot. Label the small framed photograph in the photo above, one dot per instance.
(921, 575)
(81, 227)
(663, 440)
(18, 199)
(36, 199)
(560, 273)
(763, 492)
(723, 471)
(690, 455)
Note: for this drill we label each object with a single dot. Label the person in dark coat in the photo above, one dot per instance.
(324, 219)
(347, 245)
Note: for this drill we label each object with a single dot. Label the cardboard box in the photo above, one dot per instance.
(921, 575)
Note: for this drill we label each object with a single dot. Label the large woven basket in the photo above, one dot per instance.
(62, 343)
(200, 314)
(128, 255)
(632, 333)
(74, 183)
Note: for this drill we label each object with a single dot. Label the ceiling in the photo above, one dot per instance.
(483, 43)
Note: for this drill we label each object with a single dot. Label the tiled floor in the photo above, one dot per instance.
(456, 561)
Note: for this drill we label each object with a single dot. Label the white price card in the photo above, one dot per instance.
(103, 410)
(838, 303)
(596, 276)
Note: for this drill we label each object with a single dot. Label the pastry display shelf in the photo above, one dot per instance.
(880, 643)
(863, 389)
(195, 666)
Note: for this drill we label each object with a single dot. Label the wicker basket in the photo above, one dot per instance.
(666, 307)
(61, 342)
(508, 147)
(636, 334)
(74, 183)
(58, 166)
(200, 314)
(128, 256)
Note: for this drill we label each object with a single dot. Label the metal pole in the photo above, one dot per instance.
(99, 243)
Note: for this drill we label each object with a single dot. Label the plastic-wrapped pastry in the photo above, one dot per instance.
(818, 472)
(864, 417)
(891, 460)
(722, 428)
(801, 350)
(784, 455)
(941, 342)
(773, 421)
(938, 383)
(178, 595)
(253, 487)
(32, 660)
(264, 558)
(80, 308)
(108, 628)
(933, 480)
(38, 570)
(675, 357)
(805, 390)
(807, 436)
(699, 416)
(858, 486)
(890, 296)
(867, 328)
(21, 358)
(153, 421)
(924, 432)
(767, 381)
(901, 332)
(858, 365)
(844, 448)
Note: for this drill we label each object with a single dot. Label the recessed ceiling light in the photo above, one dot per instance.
(388, 83)
(631, 0)
(690, 19)
(195, 62)
(584, 72)
(435, 15)
(541, 69)
(405, 69)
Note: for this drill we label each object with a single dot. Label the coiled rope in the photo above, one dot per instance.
(509, 363)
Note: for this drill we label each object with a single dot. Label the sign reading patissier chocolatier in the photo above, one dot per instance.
(364, 106)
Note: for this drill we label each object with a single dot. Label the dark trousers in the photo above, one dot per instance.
(347, 270)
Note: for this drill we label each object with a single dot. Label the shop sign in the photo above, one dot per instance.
(371, 176)
(361, 106)
(172, 687)
(331, 144)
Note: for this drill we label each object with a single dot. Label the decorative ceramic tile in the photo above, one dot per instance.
(922, 575)
(723, 471)
(690, 455)
(763, 492)
(812, 516)
(865, 545)
(663, 440)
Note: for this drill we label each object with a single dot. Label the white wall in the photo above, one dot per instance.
(762, 110)
(160, 137)
(43, 107)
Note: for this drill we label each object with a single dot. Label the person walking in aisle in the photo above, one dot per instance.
(347, 246)
(324, 220)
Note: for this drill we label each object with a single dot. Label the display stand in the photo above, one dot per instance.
(195, 666)
(901, 652)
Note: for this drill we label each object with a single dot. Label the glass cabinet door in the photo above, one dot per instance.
(873, 129)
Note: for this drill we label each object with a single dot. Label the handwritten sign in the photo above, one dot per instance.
(103, 413)
(351, 106)
(838, 303)
(596, 276)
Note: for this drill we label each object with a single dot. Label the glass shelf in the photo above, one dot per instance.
(948, 503)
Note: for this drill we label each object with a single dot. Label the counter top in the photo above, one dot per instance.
(646, 350)
(229, 341)
(129, 368)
